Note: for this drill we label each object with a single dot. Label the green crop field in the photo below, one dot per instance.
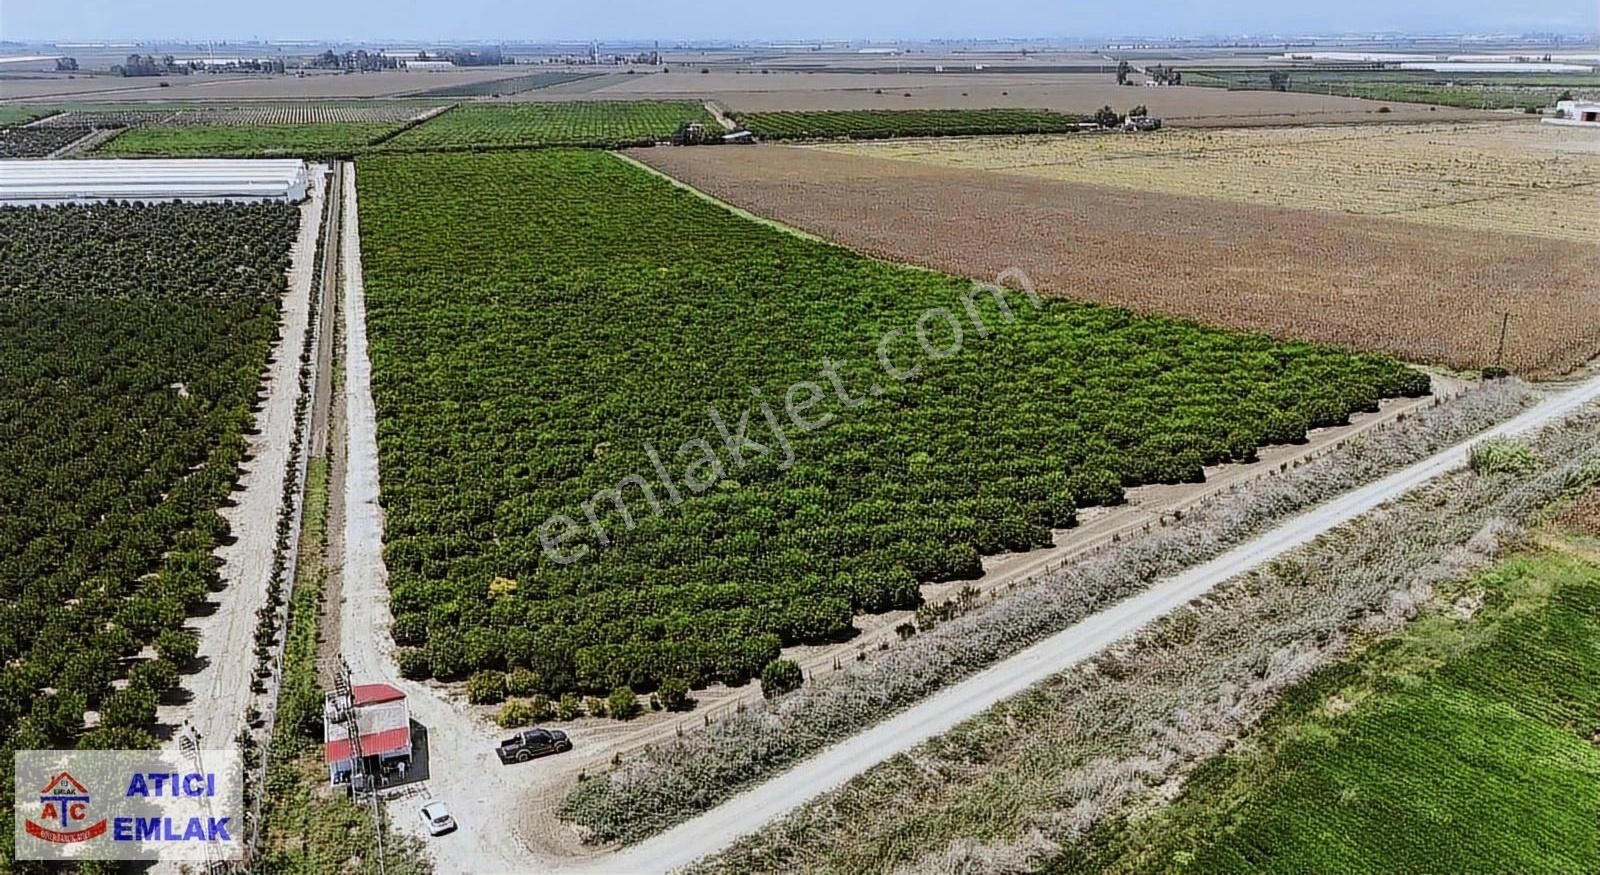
(1459, 747)
(555, 333)
(583, 123)
(871, 124)
(309, 140)
(16, 115)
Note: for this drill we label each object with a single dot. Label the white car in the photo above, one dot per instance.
(436, 817)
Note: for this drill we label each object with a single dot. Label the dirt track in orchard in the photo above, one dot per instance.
(1425, 293)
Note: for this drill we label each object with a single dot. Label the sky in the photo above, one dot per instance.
(376, 20)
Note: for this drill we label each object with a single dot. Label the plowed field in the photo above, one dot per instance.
(1427, 293)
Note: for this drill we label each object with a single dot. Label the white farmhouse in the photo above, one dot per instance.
(1585, 113)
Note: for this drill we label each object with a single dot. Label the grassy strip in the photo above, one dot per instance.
(16, 115)
(1477, 729)
(311, 828)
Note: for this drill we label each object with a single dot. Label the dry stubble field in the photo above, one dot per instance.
(1519, 177)
(1426, 292)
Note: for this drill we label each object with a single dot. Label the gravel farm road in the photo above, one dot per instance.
(715, 830)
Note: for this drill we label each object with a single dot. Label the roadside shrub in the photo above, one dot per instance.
(447, 656)
(779, 677)
(522, 682)
(567, 707)
(674, 695)
(1502, 456)
(158, 675)
(131, 708)
(594, 707)
(523, 712)
(486, 688)
(410, 629)
(623, 704)
(413, 663)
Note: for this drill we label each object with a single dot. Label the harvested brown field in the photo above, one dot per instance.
(1520, 177)
(1423, 292)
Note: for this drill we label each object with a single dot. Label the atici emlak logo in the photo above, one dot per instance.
(129, 805)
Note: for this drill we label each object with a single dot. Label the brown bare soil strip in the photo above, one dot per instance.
(1066, 92)
(1424, 293)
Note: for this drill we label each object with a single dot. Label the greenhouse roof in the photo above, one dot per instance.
(28, 182)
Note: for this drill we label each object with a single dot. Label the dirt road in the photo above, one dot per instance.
(463, 768)
(221, 688)
(743, 814)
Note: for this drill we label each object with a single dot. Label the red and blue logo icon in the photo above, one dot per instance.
(65, 804)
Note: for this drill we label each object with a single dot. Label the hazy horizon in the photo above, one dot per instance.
(722, 20)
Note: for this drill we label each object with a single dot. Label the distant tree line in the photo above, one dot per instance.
(149, 65)
(360, 59)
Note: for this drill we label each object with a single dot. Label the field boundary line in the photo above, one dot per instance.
(763, 220)
(1513, 194)
(710, 198)
(411, 123)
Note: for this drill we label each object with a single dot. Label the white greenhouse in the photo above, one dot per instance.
(25, 182)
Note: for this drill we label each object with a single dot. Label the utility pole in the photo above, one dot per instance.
(346, 712)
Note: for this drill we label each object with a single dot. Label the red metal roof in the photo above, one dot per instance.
(373, 694)
(389, 741)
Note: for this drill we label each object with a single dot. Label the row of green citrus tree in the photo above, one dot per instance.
(132, 340)
(541, 323)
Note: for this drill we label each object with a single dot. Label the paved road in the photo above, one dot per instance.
(749, 811)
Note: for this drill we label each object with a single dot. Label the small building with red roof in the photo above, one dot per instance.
(383, 729)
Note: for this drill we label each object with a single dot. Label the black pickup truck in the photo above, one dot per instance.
(532, 743)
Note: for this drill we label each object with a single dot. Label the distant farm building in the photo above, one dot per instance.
(27, 182)
(428, 66)
(1576, 112)
(383, 731)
